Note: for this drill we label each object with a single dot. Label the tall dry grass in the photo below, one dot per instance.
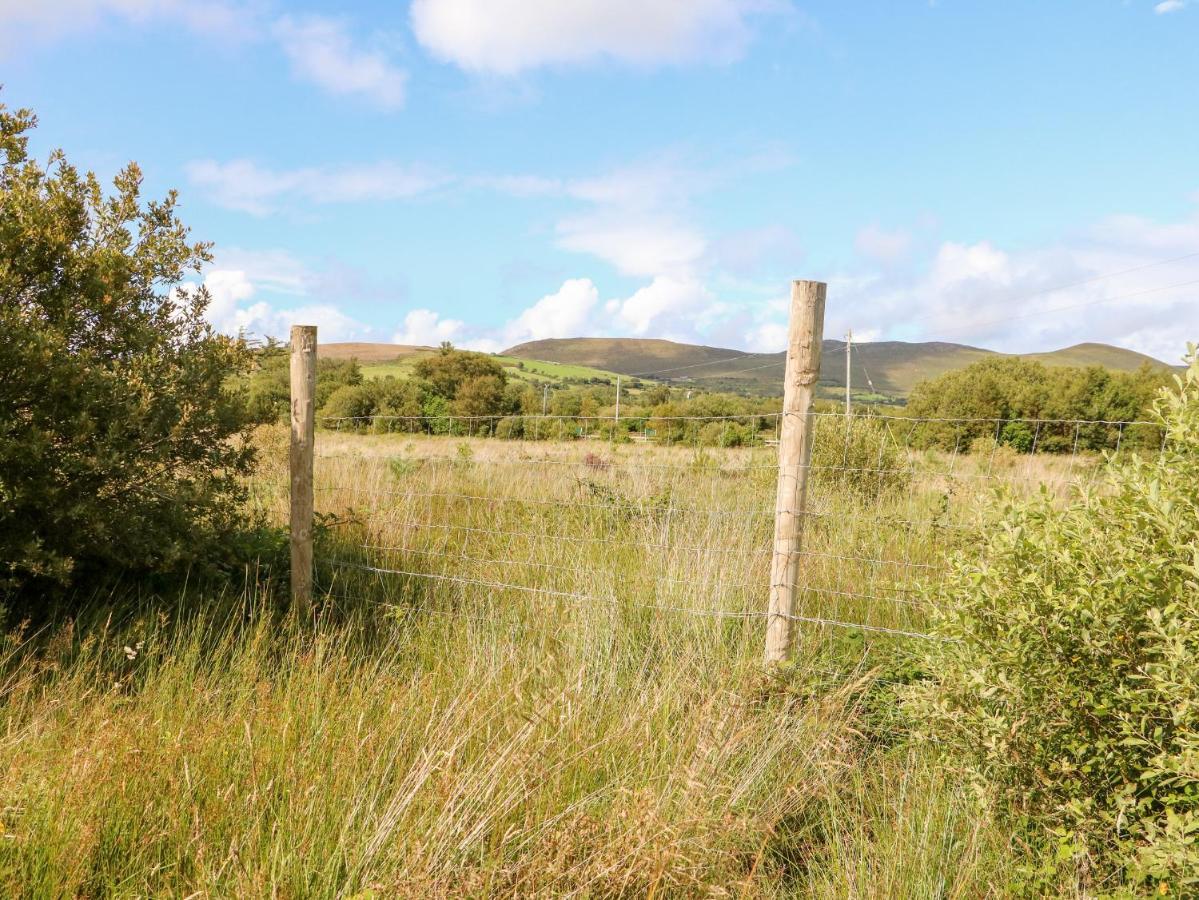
(434, 738)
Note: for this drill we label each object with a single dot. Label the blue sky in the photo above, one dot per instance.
(493, 171)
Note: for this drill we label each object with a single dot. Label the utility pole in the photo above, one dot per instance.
(848, 355)
(545, 398)
(617, 398)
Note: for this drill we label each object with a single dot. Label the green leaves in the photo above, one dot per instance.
(1030, 407)
(121, 445)
(1072, 694)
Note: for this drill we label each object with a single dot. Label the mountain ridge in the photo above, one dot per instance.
(886, 369)
(883, 367)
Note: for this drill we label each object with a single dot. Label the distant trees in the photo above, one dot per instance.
(269, 385)
(1020, 402)
(123, 431)
(448, 371)
(450, 384)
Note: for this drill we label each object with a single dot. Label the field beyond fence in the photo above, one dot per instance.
(446, 518)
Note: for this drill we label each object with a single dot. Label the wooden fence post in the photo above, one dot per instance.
(804, 337)
(303, 426)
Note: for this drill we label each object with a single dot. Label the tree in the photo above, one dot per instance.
(449, 368)
(480, 396)
(987, 398)
(123, 432)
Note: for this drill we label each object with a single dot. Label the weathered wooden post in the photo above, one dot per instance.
(804, 337)
(303, 428)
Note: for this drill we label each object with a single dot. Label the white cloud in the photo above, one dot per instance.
(564, 313)
(520, 185)
(678, 309)
(1169, 6)
(321, 51)
(230, 311)
(425, 328)
(634, 245)
(1127, 280)
(238, 279)
(668, 305)
(509, 36)
(54, 18)
(958, 264)
(276, 271)
(767, 337)
(244, 185)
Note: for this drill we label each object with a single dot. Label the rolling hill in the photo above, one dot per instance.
(884, 369)
(892, 368)
(399, 360)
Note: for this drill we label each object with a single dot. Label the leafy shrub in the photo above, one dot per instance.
(725, 434)
(269, 385)
(123, 435)
(450, 370)
(1072, 697)
(859, 456)
(1019, 436)
(965, 404)
(510, 428)
(349, 407)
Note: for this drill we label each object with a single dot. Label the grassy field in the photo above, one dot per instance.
(560, 699)
(531, 371)
(539, 370)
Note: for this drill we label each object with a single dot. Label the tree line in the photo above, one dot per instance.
(1006, 401)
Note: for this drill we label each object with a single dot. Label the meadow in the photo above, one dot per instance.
(564, 695)
(527, 371)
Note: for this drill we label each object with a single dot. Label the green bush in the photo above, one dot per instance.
(510, 428)
(124, 436)
(1039, 407)
(1071, 694)
(349, 407)
(724, 434)
(858, 456)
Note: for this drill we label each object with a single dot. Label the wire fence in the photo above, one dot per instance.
(672, 518)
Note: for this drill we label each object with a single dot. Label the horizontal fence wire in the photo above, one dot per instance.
(662, 579)
(631, 542)
(688, 518)
(601, 466)
(727, 417)
(648, 507)
(546, 417)
(591, 598)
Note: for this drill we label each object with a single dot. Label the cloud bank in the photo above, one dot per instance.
(510, 36)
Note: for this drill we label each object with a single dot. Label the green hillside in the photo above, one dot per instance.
(382, 360)
(880, 370)
(628, 356)
(1096, 355)
(890, 368)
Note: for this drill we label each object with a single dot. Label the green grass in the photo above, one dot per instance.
(528, 370)
(433, 738)
(553, 371)
(402, 368)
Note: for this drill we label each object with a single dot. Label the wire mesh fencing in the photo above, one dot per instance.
(667, 522)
